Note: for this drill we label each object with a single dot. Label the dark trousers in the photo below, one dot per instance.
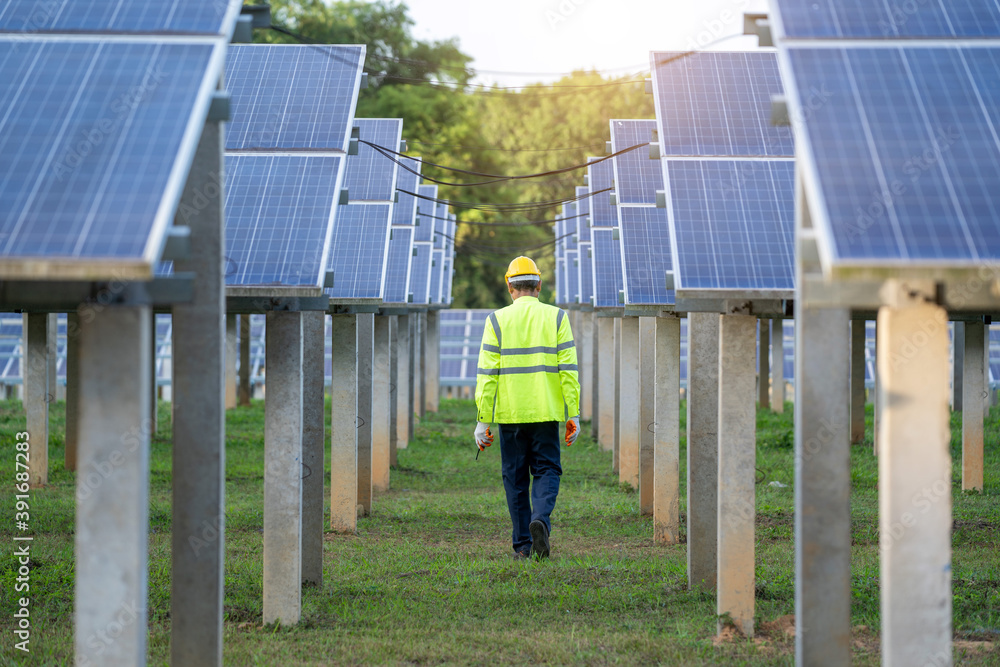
(526, 451)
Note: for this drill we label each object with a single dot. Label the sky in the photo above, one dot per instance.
(537, 37)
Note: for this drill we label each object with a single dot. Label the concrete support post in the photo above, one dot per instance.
(112, 491)
(737, 459)
(393, 389)
(313, 444)
(420, 364)
(702, 449)
(666, 445)
(404, 381)
(244, 393)
(232, 349)
(647, 411)
(606, 381)
(778, 365)
(283, 469)
(763, 365)
(343, 425)
(380, 407)
(915, 481)
(366, 337)
(72, 389)
(823, 353)
(412, 382)
(154, 353)
(958, 365)
(974, 405)
(628, 403)
(584, 337)
(857, 380)
(35, 373)
(432, 362)
(52, 356)
(595, 374)
(616, 455)
(198, 352)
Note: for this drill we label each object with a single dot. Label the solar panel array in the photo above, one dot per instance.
(901, 155)
(601, 176)
(585, 258)
(607, 258)
(292, 109)
(370, 175)
(103, 103)
(404, 211)
(644, 229)
(728, 172)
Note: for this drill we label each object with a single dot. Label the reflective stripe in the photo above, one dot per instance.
(529, 350)
(488, 371)
(521, 370)
(565, 346)
(496, 329)
(490, 348)
(559, 318)
(568, 367)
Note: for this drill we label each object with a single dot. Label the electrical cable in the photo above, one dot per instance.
(502, 207)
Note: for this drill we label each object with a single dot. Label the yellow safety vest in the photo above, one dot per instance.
(527, 366)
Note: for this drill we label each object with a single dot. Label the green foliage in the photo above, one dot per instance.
(451, 122)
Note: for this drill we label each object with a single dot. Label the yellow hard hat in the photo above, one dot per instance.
(522, 266)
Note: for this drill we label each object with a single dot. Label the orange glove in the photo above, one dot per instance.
(572, 430)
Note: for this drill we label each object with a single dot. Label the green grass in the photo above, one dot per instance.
(429, 578)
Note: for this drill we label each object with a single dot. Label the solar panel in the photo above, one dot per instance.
(715, 103)
(440, 225)
(397, 271)
(449, 274)
(572, 276)
(883, 20)
(569, 230)
(637, 178)
(420, 273)
(279, 210)
(119, 16)
(425, 214)
(600, 176)
(96, 138)
(562, 284)
(732, 223)
(370, 175)
(585, 261)
(903, 153)
(583, 211)
(358, 251)
(405, 210)
(291, 96)
(437, 272)
(607, 268)
(645, 242)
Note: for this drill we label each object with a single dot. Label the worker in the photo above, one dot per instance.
(527, 382)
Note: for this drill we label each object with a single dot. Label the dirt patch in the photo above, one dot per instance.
(974, 647)
(781, 628)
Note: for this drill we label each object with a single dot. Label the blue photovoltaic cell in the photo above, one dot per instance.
(570, 229)
(637, 178)
(583, 210)
(718, 104)
(607, 269)
(437, 268)
(370, 175)
(586, 264)
(645, 237)
(405, 210)
(906, 151)
(734, 223)
(420, 273)
(118, 16)
(278, 215)
(357, 251)
(572, 276)
(448, 276)
(291, 96)
(397, 270)
(440, 226)
(89, 136)
(426, 212)
(600, 176)
(868, 19)
(562, 283)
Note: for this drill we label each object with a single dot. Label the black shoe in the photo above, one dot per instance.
(539, 539)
